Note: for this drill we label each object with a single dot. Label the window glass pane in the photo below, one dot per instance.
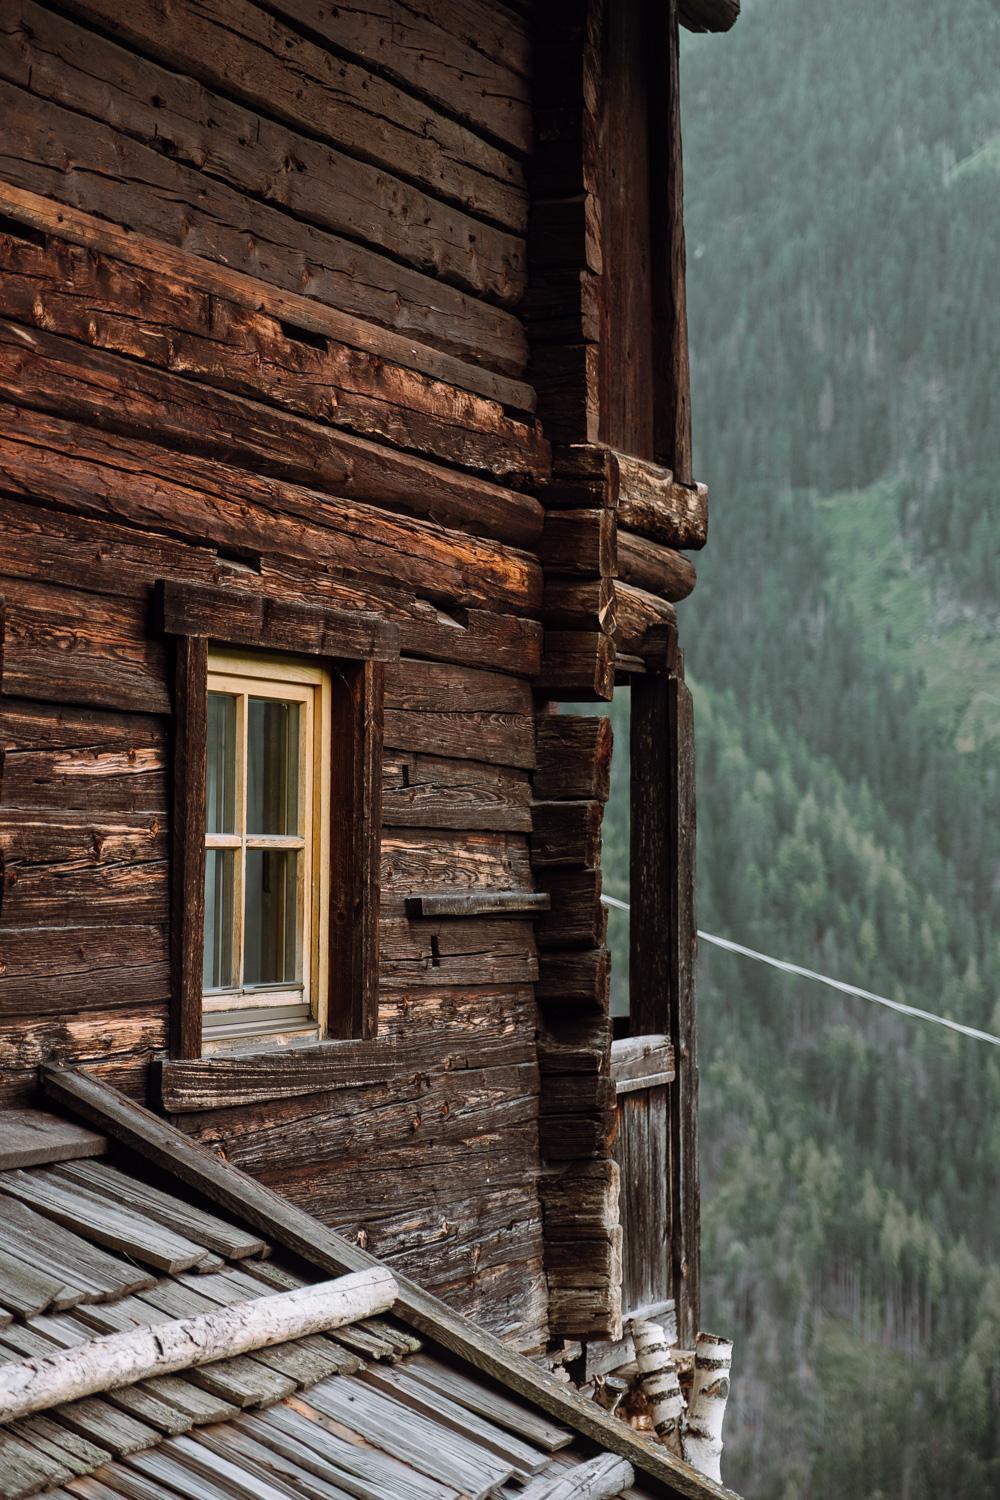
(272, 766)
(220, 782)
(270, 945)
(217, 967)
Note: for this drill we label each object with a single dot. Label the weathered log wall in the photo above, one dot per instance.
(260, 270)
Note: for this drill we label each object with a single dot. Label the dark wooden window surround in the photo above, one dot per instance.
(354, 648)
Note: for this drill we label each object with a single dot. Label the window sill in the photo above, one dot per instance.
(232, 1075)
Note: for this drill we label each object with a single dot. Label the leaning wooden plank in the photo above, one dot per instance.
(185, 1343)
(31, 1137)
(259, 1463)
(252, 294)
(239, 1193)
(208, 1229)
(28, 1290)
(485, 1401)
(600, 1478)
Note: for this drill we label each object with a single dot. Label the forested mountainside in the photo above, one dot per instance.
(843, 210)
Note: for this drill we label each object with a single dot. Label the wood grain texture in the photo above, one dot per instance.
(240, 618)
(574, 757)
(265, 1210)
(188, 871)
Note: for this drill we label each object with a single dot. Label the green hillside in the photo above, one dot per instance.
(843, 223)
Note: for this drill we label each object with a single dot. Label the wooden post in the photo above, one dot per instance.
(187, 906)
(672, 386)
(355, 833)
(662, 952)
(104, 1364)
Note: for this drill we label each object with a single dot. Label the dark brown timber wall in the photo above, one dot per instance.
(260, 267)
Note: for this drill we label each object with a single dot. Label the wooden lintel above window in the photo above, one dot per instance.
(240, 618)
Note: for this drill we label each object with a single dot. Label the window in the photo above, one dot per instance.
(276, 813)
(267, 869)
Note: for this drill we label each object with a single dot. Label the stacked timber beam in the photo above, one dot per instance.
(580, 1184)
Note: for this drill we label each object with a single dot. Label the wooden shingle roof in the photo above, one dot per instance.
(97, 1239)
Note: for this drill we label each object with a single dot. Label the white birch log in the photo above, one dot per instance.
(123, 1358)
(600, 1478)
(713, 1359)
(658, 1377)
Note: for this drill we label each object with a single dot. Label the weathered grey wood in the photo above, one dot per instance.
(641, 1062)
(220, 1335)
(28, 1290)
(114, 1227)
(478, 1397)
(415, 1396)
(283, 1223)
(102, 1423)
(478, 904)
(31, 1137)
(24, 1470)
(66, 1256)
(600, 1478)
(171, 1404)
(408, 1435)
(319, 1451)
(77, 1452)
(164, 1208)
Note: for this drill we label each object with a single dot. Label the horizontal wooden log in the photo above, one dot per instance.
(240, 618)
(46, 971)
(577, 665)
(106, 782)
(657, 569)
(575, 979)
(180, 1344)
(637, 613)
(77, 69)
(577, 918)
(574, 757)
(66, 647)
(91, 1038)
(654, 504)
(251, 56)
(709, 15)
(102, 476)
(437, 954)
(123, 180)
(58, 376)
(562, 305)
(467, 53)
(55, 891)
(417, 862)
(641, 1062)
(106, 558)
(566, 833)
(479, 904)
(571, 604)
(503, 739)
(575, 1094)
(581, 1200)
(427, 791)
(302, 313)
(581, 543)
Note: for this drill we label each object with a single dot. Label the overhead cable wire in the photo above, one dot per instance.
(835, 984)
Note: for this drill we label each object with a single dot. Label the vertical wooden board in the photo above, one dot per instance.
(355, 832)
(672, 388)
(640, 1149)
(651, 875)
(188, 883)
(626, 350)
(684, 1091)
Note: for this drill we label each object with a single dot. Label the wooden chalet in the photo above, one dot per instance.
(345, 437)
